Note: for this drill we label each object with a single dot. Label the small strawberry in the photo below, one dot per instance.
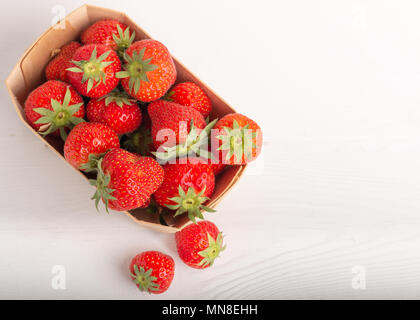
(238, 139)
(140, 141)
(87, 142)
(111, 33)
(199, 244)
(116, 110)
(186, 187)
(94, 69)
(126, 181)
(180, 130)
(152, 271)
(54, 107)
(56, 68)
(191, 95)
(149, 70)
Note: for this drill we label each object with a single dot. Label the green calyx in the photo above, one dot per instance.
(238, 142)
(190, 202)
(101, 183)
(196, 144)
(144, 279)
(139, 141)
(213, 250)
(123, 39)
(120, 98)
(61, 117)
(93, 69)
(93, 163)
(136, 69)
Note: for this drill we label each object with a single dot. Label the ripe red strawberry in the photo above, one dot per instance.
(54, 107)
(116, 110)
(56, 68)
(111, 33)
(152, 271)
(87, 142)
(140, 141)
(191, 95)
(239, 139)
(149, 70)
(126, 181)
(186, 187)
(199, 244)
(94, 69)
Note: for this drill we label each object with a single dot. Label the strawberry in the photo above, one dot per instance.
(180, 130)
(238, 139)
(199, 244)
(191, 95)
(152, 271)
(140, 141)
(186, 186)
(54, 107)
(111, 33)
(94, 69)
(149, 70)
(87, 142)
(56, 68)
(116, 110)
(126, 181)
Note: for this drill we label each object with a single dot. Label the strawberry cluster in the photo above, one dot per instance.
(150, 140)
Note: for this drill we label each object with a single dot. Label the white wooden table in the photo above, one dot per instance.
(332, 210)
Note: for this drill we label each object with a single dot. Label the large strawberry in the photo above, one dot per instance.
(149, 70)
(111, 33)
(54, 107)
(87, 142)
(186, 187)
(56, 68)
(191, 95)
(180, 130)
(126, 181)
(237, 138)
(116, 110)
(94, 69)
(199, 244)
(152, 271)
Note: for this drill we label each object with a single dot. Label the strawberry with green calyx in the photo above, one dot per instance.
(126, 181)
(86, 144)
(56, 68)
(111, 33)
(199, 244)
(93, 73)
(148, 70)
(186, 187)
(239, 139)
(54, 107)
(117, 110)
(191, 95)
(180, 130)
(152, 271)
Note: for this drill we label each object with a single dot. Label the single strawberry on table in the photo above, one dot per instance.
(152, 271)
(237, 139)
(54, 107)
(148, 70)
(191, 95)
(199, 244)
(117, 110)
(56, 68)
(179, 129)
(111, 33)
(126, 181)
(186, 187)
(93, 70)
(87, 142)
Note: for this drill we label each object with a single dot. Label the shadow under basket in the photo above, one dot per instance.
(29, 73)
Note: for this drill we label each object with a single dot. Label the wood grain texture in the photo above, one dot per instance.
(338, 186)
